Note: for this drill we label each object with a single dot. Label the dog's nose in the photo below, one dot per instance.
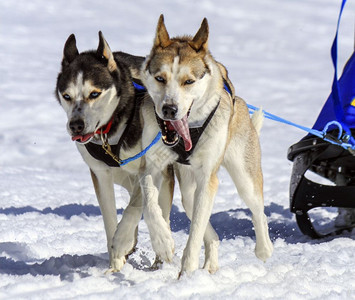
(77, 126)
(170, 111)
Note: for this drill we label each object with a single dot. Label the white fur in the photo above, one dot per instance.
(258, 120)
(160, 234)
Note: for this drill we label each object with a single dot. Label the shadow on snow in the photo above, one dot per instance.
(228, 225)
(65, 266)
(66, 211)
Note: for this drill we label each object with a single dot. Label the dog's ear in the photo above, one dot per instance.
(104, 50)
(162, 38)
(70, 50)
(200, 40)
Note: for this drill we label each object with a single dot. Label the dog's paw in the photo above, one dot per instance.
(264, 251)
(159, 231)
(123, 244)
(211, 257)
(116, 265)
(211, 266)
(163, 245)
(188, 264)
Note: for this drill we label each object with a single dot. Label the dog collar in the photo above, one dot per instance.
(98, 152)
(106, 130)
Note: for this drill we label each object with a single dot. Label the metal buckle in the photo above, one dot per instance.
(107, 148)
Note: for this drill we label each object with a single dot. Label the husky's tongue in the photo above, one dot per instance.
(82, 138)
(182, 128)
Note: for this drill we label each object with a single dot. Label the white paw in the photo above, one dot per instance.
(211, 266)
(188, 264)
(163, 243)
(116, 265)
(211, 257)
(263, 247)
(123, 244)
(264, 251)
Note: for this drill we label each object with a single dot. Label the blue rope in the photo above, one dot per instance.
(143, 152)
(321, 134)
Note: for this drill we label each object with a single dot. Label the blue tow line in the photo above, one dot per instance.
(143, 152)
(341, 140)
(320, 134)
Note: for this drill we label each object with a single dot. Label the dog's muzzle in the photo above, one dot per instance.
(170, 111)
(77, 128)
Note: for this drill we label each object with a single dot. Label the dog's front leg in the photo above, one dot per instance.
(203, 203)
(160, 234)
(125, 237)
(187, 187)
(103, 183)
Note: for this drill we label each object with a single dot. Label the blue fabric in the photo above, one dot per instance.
(346, 86)
(340, 105)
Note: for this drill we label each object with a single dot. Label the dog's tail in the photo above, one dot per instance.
(258, 119)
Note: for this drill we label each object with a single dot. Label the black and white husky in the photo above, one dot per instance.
(96, 90)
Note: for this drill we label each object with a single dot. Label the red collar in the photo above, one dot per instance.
(106, 130)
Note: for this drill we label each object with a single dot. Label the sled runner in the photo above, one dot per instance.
(333, 161)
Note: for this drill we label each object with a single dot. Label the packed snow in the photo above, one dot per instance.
(52, 239)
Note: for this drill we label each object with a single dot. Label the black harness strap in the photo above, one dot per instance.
(98, 153)
(195, 134)
(96, 150)
(228, 89)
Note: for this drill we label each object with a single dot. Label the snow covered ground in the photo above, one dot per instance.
(52, 241)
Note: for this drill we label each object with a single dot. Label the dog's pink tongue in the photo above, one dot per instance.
(182, 128)
(82, 138)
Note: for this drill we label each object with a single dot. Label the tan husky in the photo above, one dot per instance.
(203, 127)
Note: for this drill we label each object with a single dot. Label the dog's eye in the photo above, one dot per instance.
(189, 81)
(94, 95)
(66, 97)
(160, 79)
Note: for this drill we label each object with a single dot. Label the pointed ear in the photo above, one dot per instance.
(70, 50)
(103, 50)
(162, 38)
(200, 40)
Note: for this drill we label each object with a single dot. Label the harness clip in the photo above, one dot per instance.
(107, 148)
